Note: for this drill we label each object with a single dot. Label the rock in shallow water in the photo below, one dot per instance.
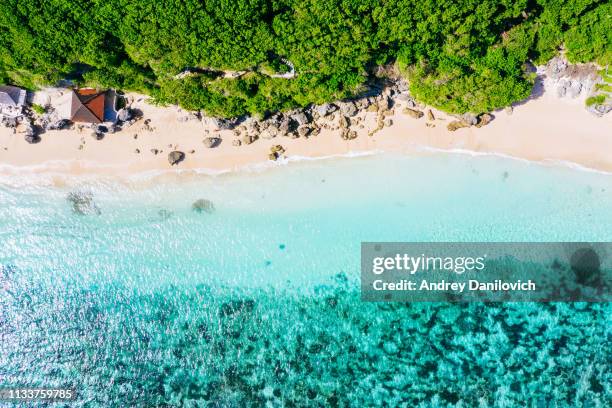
(82, 203)
(203, 205)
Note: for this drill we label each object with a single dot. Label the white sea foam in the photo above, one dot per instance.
(546, 162)
(54, 173)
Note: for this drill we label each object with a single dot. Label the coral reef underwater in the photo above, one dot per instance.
(222, 347)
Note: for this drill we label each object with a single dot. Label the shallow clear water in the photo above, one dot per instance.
(149, 303)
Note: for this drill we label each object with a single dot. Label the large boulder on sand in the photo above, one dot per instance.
(303, 131)
(300, 118)
(175, 157)
(457, 124)
(326, 109)
(248, 139)
(32, 138)
(31, 135)
(348, 109)
(469, 118)
(417, 114)
(212, 142)
(484, 120)
(276, 151)
(344, 122)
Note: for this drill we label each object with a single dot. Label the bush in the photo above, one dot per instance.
(595, 100)
(38, 109)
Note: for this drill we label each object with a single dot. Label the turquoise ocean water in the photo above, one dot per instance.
(147, 303)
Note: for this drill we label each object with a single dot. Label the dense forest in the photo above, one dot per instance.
(458, 55)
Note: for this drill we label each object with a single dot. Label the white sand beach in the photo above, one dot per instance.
(543, 129)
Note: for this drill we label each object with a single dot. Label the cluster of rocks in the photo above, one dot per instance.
(33, 124)
(186, 116)
(212, 141)
(573, 80)
(345, 116)
(468, 120)
(23, 124)
(127, 116)
(31, 133)
(276, 152)
(601, 109)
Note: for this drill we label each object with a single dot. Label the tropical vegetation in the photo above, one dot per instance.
(227, 57)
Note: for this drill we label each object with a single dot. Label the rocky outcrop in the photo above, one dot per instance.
(575, 80)
(308, 122)
(304, 131)
(175, 157)
(248, 139)
(348, 108)
(223, 123)
(211, 142)
(344, 122)
(575, 88)
(299, 118)
(556, 67)
(326, 109)
(269, 133)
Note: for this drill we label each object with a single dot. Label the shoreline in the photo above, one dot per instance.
(544, 129)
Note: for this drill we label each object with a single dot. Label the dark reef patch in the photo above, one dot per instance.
(202, 346)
